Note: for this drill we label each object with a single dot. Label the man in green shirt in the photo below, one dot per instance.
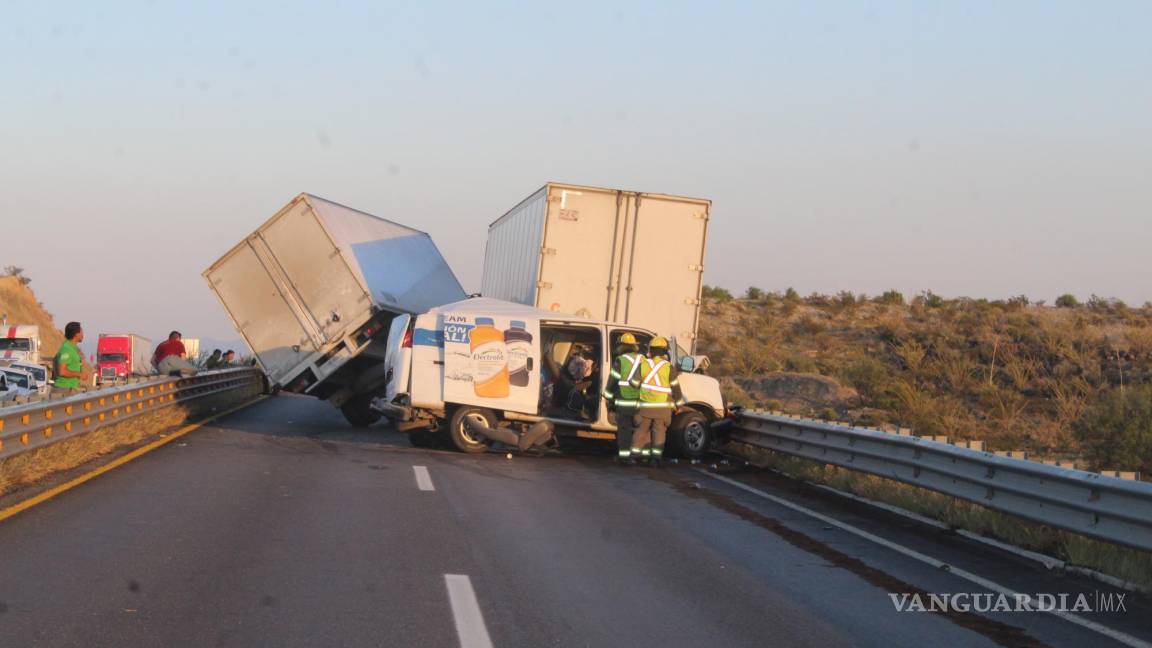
(69, 361)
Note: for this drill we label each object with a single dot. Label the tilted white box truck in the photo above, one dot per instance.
(313, 292)
(621, 256)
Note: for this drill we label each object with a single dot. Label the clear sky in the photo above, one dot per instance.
(970, 148)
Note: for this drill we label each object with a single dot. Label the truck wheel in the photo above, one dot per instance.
(359, 413)
(690, 435)
(464, 440)
(423, 439)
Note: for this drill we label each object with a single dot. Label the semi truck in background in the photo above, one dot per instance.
(20, 342)
(314, 290)
(119, 355)
(626, 257)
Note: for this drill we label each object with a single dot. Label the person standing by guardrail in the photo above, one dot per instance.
(213, 360)
(68, 363)
(169, 358)
(659, 396)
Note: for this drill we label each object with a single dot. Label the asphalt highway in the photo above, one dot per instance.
(281, 526)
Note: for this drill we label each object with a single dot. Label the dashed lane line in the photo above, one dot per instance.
(466, 613)
(423, 479)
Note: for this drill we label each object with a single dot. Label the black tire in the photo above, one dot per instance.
(461, 439)
(423, 439)
(358, 412)
(690, 435)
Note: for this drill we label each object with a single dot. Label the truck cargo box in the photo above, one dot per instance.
(622, 256)
(305, 288)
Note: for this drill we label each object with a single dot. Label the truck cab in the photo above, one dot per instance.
(20, 342)
(505, 364)
(119, 355)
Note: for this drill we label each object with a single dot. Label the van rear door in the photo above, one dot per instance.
(398, 357)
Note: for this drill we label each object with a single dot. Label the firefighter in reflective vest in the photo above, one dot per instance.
(659, 397)
(622, 393)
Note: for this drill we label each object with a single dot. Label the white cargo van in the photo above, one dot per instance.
(504, 364)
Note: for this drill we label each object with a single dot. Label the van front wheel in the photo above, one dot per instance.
(690, 435)
(463, 438)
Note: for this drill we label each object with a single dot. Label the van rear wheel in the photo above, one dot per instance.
(462, 437)
(359, 412)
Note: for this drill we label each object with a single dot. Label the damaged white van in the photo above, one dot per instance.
(483, 370)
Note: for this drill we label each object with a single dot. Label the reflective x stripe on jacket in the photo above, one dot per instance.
(624, 389)
(660, 389)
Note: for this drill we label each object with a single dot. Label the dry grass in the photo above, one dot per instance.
(30, 467)
(1131, 565)
(1016, 375)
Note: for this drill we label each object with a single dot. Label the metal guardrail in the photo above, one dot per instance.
(35, 425)
(1094, 505)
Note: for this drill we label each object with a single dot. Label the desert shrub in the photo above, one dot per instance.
(16, 271)
(716, 292)
(818, 299)
(932, 300)
(808, 325)
(1067, 300)
(800, 364)
(753, 294)
(791, 295)
(869, 376)
(891, 297)
(1116, 432)
(1019, 301)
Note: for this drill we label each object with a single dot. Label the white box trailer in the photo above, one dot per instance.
(314, 289)
(621, 256)
(499, 363)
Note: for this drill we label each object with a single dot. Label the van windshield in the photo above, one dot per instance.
(20, 380)
(38, 373)
(15, 344)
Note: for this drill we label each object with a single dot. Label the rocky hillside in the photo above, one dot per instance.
(19, 303)
(1069, 380)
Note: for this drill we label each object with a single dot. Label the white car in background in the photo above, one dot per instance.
(18, 383)
(39, 373)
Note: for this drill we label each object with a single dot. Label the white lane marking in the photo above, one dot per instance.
(423, 479)
(470, 626)
(938, 564)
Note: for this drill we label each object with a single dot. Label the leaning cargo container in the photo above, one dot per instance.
(621, 256)
(314, 289)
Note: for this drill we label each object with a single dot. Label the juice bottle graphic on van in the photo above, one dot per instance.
(489, 360)
(519, 344)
